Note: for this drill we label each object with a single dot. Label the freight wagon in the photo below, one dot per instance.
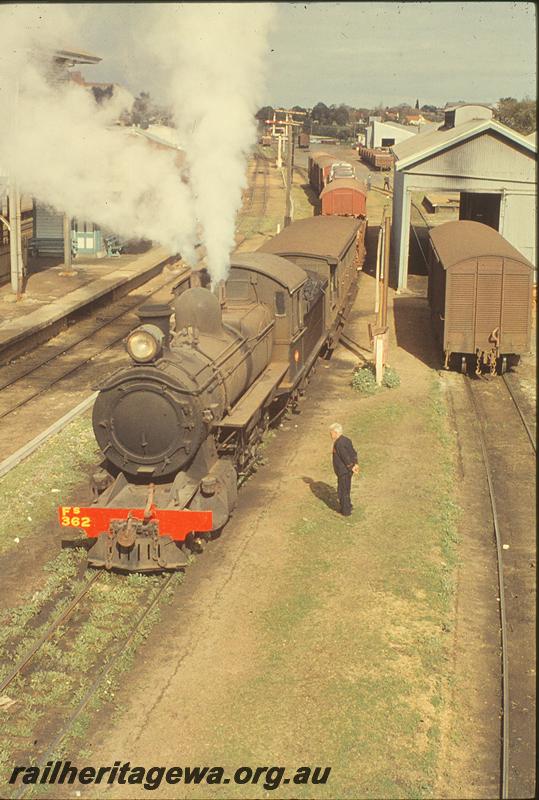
(378, 158)
(480, 295)
(344, 196)
(331, 248)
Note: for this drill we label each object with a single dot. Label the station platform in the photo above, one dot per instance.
(52, 299)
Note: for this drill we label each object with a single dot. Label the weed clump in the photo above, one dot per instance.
(391, 378)
(364, 379)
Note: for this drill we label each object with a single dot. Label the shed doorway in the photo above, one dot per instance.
(479, 207)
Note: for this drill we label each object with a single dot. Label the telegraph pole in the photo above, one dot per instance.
(288, 123)
(68, 262)
(289, 160)
(15, 242)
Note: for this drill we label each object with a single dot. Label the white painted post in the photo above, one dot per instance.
(379, 358)
(378, 265)
(15, 242)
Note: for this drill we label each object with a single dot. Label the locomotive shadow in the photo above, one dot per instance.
(371, 243)
(324, 492)
(312, 197)
(413, 330)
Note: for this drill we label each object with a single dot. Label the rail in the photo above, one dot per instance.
(101, 676)
(126, 309)
(61, 618)
(502, 608)
(520, 413)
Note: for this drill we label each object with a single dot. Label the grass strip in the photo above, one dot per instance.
(34, 488)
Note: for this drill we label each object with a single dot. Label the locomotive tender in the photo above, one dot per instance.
(182, 422)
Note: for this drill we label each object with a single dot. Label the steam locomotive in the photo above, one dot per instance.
(181, 423)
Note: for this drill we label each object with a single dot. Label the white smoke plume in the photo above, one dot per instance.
(213, 57)
(64, 149)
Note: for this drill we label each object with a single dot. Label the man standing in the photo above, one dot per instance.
(345, 465)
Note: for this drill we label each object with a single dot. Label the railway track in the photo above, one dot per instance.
(508, 453)
(258, 198)
(60, 720)
(30, 377)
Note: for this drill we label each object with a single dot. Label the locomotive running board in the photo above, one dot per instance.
(256, 396)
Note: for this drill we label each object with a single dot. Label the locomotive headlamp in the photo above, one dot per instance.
(145, 343)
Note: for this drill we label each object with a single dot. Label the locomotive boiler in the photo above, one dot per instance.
(182, 422)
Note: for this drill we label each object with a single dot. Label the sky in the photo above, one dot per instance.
(361, 54)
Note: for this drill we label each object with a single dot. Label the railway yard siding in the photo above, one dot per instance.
(341, 654)
(59, 299)
(369, 644)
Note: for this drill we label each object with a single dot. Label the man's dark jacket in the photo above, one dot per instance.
(344, 456)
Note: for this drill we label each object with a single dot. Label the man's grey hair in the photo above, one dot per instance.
(336, 427)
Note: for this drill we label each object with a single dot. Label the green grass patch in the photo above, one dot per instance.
(64, 670)
(301, 205)
(33, 489)
(357, 636)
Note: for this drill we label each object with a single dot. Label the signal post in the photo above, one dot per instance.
(288, 123)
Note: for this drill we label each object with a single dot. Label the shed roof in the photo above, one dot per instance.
(462, 239)
(278, 269)
(427, 144)
(408, 128)
(76, 56)
(322, 237)
(344, 183)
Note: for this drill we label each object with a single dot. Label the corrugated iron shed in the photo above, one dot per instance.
(492, 167)
(427, 144)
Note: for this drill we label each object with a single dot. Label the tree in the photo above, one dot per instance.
(517, 114)
(141, 111)
(320, 113)
(101, 94)
(417, 104)
(266, 112)
(340, 115)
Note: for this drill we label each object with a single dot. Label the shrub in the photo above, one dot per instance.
(391, 378)
(364, 379)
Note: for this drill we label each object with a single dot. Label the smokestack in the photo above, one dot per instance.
(219, 290)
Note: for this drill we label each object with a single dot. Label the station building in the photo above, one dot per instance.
(87, 238)
(20, 219)
(491, 166)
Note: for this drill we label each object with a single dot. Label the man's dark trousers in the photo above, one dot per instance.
(344, 483)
